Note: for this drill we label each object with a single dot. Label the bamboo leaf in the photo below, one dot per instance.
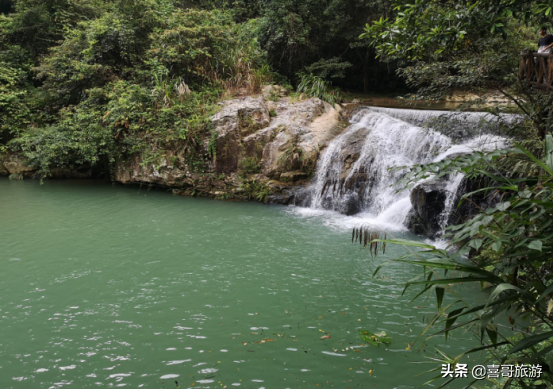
(407, 243)
(536, 245)
(441, 263)
(451, 318)
(439, 291)
(465, 279)
(547, 168)
(491, 331)
(548, 149)
(528, 342)
(485, 348)
(505, 287)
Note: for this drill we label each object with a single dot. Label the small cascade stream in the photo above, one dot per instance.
(356, 174)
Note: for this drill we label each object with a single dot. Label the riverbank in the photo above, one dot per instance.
(292, 150)
(259, 145)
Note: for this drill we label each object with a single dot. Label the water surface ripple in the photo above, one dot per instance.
(107, 286)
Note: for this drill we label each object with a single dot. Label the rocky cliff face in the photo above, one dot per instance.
(262, 148)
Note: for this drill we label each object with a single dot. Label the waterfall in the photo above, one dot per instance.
(356, 174)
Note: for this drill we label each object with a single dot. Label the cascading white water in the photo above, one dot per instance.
(358, 171)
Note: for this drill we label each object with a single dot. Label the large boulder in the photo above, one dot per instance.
(287, 141)
(428, 200)
(273, 92)
(239, 118)
(246, 137)
(302, 129)
(427, 216)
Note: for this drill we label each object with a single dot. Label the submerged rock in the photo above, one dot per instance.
(351, 205)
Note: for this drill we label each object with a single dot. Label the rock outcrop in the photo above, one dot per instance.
(428, 206)
(15, 166)
(428, 200)
(238, 119)
(261, 146)
(269, 139)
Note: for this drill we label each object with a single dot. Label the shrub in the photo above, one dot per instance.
(249, 165)
(315, 86)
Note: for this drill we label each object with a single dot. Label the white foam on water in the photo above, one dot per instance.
(173, 362)
(169, 376)
(333, 353)
(340, 222)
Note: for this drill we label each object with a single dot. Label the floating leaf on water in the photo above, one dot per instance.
(374, 339)
(325, 337)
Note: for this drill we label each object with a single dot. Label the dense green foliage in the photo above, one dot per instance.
(317, 86)
(434, 28)
(449, 45)
(88, 82)
(318, 37)
(118, 78)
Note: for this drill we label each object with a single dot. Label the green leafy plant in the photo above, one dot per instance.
(316, 86)
(254, 189)
(212, 145)
(249, 165)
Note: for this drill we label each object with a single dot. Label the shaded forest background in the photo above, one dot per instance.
(89, 81)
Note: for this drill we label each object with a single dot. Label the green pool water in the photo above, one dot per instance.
(108, 286)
